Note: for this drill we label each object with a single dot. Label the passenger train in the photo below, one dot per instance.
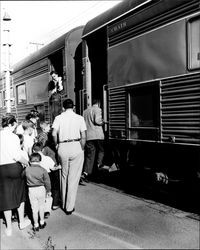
(141, 58)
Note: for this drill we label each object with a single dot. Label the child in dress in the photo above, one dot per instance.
(39, 187)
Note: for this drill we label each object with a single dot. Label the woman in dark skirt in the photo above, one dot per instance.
(12, 185)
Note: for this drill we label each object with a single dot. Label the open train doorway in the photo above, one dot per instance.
(56, 62)
(78, 89)
(97, 53)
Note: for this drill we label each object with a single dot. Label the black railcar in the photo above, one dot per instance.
(142, 59)
(145, 66)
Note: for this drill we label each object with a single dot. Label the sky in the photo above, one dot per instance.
(36, 23)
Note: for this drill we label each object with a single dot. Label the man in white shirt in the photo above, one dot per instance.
(69, 135)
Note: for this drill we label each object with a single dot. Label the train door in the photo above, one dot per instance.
(97, 56)
(80, 91)
(56, 62)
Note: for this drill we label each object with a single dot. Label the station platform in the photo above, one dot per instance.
(107, 219)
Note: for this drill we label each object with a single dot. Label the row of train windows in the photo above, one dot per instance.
(20, 93)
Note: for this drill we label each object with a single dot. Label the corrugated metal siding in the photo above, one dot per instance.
(180, 109)
(117, 113)
(22, 111)
(25, 75)
(153, 22)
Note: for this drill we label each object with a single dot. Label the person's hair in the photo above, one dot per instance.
(27, 124)
(35, 157)
(8, 119)
(34, 112)
(37, 147)
(30, 115)
(68, 104)
(53, 72)
(44, 124)
(95, 101)
(21, 138)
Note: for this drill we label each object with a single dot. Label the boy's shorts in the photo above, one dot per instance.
(37, 197)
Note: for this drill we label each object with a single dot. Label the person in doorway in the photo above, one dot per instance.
(95, 139)
(56, 91)
(70, 137)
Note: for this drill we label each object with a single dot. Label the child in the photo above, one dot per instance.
(43, 135)
(23, 151)
(28, 129)
(48, 164)
(45, 138)
(39, 187)
(49, 149)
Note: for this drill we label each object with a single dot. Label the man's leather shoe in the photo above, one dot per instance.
(70, 212)
(36, 229)
(81, 182)
(55, 207)
(43, 225)
(46, 215)
(84, 178)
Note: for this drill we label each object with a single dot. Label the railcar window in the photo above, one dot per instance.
(144, 113)
(194, 43)
(21, 94)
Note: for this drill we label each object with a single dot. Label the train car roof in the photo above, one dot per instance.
(124, 8)
(44, 51)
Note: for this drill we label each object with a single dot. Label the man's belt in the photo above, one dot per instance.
(70, 140)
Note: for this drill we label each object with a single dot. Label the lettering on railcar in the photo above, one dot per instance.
(117, 27)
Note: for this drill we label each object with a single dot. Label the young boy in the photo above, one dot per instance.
(39, 187)
(48, 164)
(44, 137)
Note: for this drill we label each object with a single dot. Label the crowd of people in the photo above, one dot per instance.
(44, 164)
(28, 168)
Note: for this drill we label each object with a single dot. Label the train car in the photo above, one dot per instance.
(30, 76)
(144, 64)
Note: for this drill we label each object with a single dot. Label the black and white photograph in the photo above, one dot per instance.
(100, 124)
